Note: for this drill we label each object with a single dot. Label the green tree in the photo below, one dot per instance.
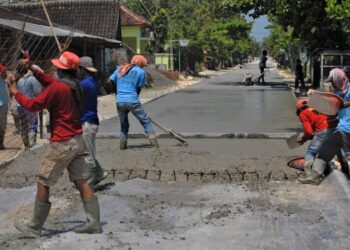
(307, 20)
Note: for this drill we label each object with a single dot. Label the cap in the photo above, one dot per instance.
(87, 63)
(346, 69)
(67, 60)
(301, 103)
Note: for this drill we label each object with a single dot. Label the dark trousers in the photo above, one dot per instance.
(261, 77)
(301, 80)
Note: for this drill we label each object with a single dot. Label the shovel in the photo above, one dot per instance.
(169, 131)
(292, 141)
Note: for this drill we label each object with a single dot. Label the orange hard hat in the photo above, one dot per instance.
(301, 103)
(67, 61)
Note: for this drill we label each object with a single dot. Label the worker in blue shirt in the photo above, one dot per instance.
(89, 119)
(128, 80)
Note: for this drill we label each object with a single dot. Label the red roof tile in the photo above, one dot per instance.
(129, 18)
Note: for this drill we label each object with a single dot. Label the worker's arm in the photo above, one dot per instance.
(44, 79)
(346, 104)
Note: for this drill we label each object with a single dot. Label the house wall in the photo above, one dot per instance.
(131, 36)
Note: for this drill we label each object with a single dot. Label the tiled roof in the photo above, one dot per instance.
(96, 17)
(129, 18)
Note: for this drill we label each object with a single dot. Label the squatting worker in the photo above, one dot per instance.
(317, 128)
(340, 138)
(89, 119)
(128, 80)
(62, 97)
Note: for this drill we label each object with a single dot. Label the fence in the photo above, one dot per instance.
(22, 126)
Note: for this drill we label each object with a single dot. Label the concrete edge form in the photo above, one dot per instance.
(207, 135)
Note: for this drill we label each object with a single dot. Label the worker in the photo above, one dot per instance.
(128, 80)
(317, 128)
(339, 138)
(89, 119)
(63, 98)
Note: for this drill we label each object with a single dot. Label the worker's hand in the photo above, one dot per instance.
(12, 86)
(300, 139)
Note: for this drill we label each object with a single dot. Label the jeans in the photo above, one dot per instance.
(316, 143)
(333, 145)
(89, 136)
(137, 110)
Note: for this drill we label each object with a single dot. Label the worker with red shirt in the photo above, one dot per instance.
(317, 128)
(62, 96)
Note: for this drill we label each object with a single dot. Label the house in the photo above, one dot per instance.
(135, 30)
(95, 18)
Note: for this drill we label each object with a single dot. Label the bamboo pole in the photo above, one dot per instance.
(51, 26)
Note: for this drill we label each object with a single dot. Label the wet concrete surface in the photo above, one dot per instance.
(192, 213)
(228, 159)
(222, 104)
(141, 214)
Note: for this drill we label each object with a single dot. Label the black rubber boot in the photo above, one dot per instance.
(123, 143)
(92, 210)
(33, 228)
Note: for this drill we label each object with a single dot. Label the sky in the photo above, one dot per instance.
(258, 31)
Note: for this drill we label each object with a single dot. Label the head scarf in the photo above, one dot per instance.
(137, 60)
(339, 79)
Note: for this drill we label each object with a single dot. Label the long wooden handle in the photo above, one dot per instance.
(175, 135)
(51, 26)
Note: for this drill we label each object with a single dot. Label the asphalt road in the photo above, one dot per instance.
(222, 104)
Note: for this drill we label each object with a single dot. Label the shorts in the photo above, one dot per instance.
(58, 156)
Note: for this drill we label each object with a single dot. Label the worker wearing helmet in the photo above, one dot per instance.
(317, 128)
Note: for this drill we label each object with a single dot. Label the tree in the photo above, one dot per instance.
(306, 19)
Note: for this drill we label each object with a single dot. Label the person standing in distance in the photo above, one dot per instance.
(262, 66)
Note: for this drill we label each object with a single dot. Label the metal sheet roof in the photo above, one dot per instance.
(45, 31)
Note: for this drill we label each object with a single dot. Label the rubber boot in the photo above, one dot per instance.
(308, 166)
(92, 211)
(101, 173)
(315, 177)
(123, 143)
(153, 140)
(25, 140)
(32, 139)
(33, 228)
(96, 174)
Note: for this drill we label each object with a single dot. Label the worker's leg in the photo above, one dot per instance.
(328, 149)
(78, 174)
(96, 173)
(138, 111)
(123, 111)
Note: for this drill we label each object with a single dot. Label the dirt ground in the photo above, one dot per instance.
(184, 213)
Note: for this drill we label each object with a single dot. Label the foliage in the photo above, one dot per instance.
(307, 19)
(339, 10)
(208, 26)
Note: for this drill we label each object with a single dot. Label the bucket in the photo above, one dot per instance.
(297, 163)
